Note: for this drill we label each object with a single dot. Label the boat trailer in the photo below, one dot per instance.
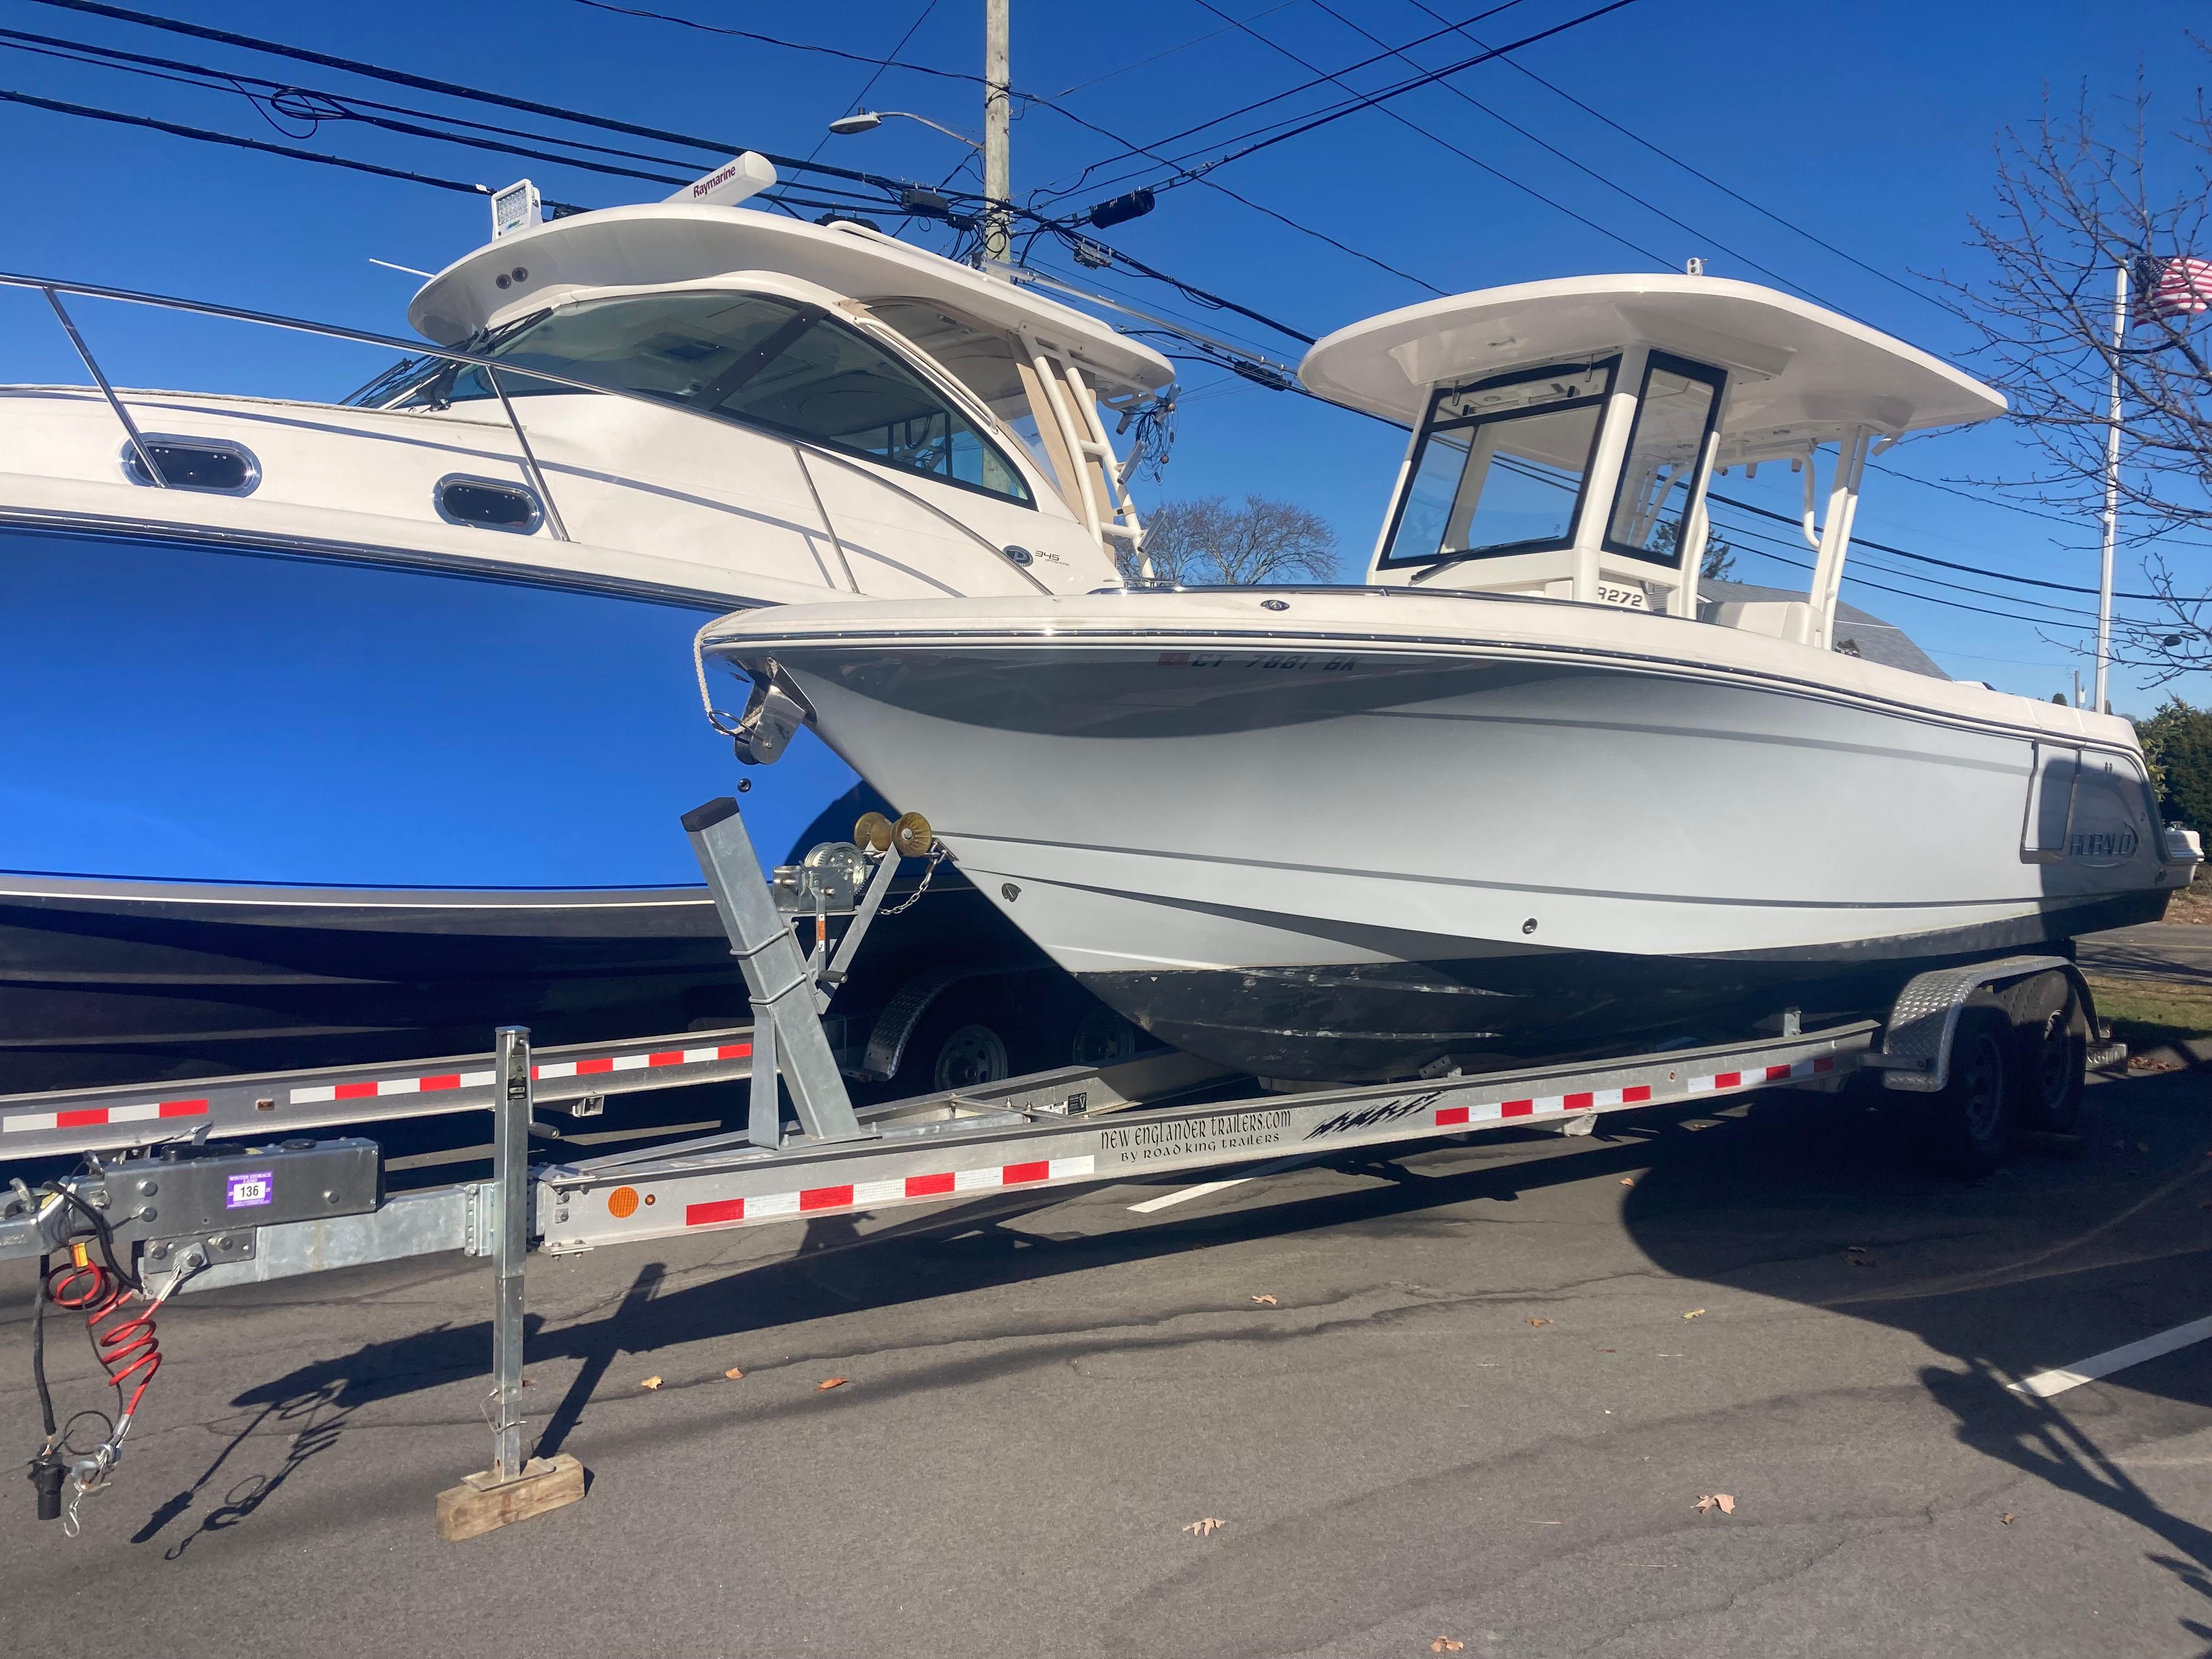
(165, 1204)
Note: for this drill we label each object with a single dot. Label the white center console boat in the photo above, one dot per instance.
(1513, 798)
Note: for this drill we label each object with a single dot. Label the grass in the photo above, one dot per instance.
(2152, 1013)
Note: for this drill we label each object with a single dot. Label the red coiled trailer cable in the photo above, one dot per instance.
(124, 1350)
(124, 1343)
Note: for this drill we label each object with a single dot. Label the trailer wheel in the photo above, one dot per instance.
(960, 1045)
(1969, 1122)
(2054, 1052)
(1103, 1038)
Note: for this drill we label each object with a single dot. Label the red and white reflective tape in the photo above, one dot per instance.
(859, 1195)
(1700, 1086)
(593, 1066)
(1597, 1099)
(93, 1117)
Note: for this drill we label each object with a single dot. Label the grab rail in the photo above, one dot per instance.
(799, 448)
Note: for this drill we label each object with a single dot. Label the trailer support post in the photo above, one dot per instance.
(510, 1175)
(511, 1488)
(789, 1042)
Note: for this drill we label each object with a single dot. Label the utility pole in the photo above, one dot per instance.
(997, 164)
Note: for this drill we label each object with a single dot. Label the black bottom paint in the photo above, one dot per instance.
(1345, 1022)
(96, 992)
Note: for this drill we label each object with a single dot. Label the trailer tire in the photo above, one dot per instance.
(2053, 1054)
(1969, 1125)
(960, 1044)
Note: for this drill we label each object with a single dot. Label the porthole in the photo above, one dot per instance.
(213, 466)
(487, 504)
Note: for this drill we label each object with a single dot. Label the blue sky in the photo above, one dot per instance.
(203, 716)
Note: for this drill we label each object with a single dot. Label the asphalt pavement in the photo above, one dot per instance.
(1475, 1394)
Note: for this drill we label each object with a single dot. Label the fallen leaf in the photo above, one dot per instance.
(1861, 1260)
(1445, 1644)
(1268, 1300)
(1605, 1349)
(2005, 1519)
(2143, 1145)
(650, 1383)
(734, 1373)
(1720, 1500)
(1628, 1180)
(834, 1382)
(1207, 1527)
(1539, 1321)
(1695, 1313)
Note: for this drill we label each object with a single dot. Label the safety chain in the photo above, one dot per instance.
(936, 857)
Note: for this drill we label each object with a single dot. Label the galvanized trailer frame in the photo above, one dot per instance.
(1054, 1130)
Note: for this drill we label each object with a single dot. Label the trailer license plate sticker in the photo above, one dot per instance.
(249, 1191)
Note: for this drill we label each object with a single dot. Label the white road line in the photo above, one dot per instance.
(1187, 1193)
(2044, 1384)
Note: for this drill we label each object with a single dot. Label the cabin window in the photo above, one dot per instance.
(1674, 415)
(487, 504)
(1501, 465)
(212, 466)
(773, 362)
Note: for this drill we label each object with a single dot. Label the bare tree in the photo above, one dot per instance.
(1206, 541)
(2070, 207)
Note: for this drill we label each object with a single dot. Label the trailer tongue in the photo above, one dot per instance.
(1988, 1045)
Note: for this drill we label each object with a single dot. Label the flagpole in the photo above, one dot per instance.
(2112, 486)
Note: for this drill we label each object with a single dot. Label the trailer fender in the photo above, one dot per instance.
(1916, 1051)
(902, 1015)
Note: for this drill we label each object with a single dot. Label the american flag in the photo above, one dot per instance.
(2166, 288)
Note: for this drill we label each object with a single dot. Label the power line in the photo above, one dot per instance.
(206, 136)
(772, 40)
(1056, 192)
(1850, 576)
(1439, 139)
(1197, 39)
(1280, 217)
(1469, 98)
(342, 107)
(1668, 155)
(1933, 581)
(426, 84)
(384, 121)
(1924, 558)
(869, 85)
(1369, 100)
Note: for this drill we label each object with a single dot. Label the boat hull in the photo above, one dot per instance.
(109, 982)
(1341, 856)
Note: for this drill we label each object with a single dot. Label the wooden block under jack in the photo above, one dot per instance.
(477, 1506)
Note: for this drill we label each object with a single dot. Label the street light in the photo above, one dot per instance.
(867, 120)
